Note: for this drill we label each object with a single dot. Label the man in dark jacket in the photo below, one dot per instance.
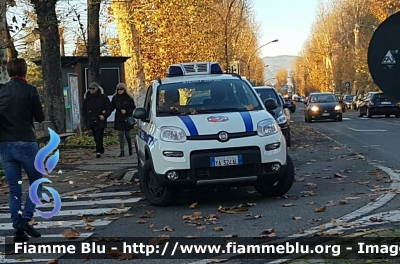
(19, 105)
(95, 111)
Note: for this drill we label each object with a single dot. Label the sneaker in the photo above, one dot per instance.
(98, 155)
(25, 226)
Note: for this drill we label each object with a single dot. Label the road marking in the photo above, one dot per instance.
(79, 191)
(59, 224)
(88, 203)
(84, 212)
(95, 195)
(395, 124)
(367, 130)
(346, 118)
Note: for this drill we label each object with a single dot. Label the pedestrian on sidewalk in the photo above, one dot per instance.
(95, 111)
(19, 105)
(124, 105)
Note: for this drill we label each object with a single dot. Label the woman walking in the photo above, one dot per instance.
(124, 105)
(19, 105)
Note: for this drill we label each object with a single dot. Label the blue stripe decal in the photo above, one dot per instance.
(248, 122)
(189, 125)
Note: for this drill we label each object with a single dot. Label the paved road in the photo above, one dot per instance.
(329, 178)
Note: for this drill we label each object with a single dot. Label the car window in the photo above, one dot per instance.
(268, 93)
(381, 96)
(206, 96)
(323, 98)
(349, 97)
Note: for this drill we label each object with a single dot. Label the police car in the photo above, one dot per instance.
(201, 127)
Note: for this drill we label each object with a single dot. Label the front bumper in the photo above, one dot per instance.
(324, 114)
(250, 172)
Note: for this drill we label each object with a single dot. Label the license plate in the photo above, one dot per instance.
(325, 114)
(225, 161)
(386, 103)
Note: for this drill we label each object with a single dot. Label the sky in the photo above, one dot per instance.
(289, 21)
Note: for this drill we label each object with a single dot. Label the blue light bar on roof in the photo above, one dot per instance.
(194, 68)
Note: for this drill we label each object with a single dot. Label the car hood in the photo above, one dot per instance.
(326, 106)
(205, 124)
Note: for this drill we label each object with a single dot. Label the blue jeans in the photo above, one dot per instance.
(13, 156)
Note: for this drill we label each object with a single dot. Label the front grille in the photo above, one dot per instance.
(201, 68)
(230, 136)
(212, 151)
(226, 172)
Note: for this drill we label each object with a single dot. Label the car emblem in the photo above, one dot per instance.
(215, 119)
(195, 68)
(223, 136)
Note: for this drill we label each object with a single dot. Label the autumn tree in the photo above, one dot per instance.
(51, 62)
(3, 43)
(281, 79)
(93, 47)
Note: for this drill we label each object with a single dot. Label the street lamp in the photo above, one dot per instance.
(248, 61)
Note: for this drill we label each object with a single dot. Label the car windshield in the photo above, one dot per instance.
(206, 96)
(267, 93)
(323, 98)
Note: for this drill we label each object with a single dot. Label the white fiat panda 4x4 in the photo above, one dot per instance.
(201, 127)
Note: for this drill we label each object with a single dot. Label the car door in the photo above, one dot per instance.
(144, 125)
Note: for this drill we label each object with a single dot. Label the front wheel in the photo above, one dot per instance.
(280, 187)
(154, 193)
(359, 113)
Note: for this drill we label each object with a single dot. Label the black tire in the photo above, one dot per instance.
(369, 114)
(397, 115)
(156, 195)
(359, 113)
(288, 140)
(339, 119)
(280, 187)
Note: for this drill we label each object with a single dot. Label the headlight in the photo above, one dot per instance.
(314, 108)
(267, 127)
(337, 108)
(281, 119)
(173, 134)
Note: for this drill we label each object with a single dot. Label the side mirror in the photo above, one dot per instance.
(271, 104)
(139, 113)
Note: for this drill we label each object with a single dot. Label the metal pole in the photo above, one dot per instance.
(248, 61)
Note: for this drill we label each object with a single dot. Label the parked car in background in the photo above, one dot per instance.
(378, 103)
(321, 106)
(285, 110)
(291, 104)
(265, 92)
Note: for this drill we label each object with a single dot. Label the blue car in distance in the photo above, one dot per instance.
(265, 92)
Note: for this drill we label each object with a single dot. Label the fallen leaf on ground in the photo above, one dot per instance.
(89, 227)
(374, 219)
(88, 220)
(165, 228)
(297, 217)
(122, 206)
(129, 215)
(268, 231)
(71, 233)
(342, 201)
(301, 231)
(352, 198)
(158, 240)
(141, 221)
(299, 179)
(191, 237)
(114, 212)
(151, 226)
(195, 216)
(201, 227)
(338, 175)
(193, 205)
(311, 203)
(320, 210)
(218, 229)
(230, 236)
(288, 205)
(317, 219)
(53, 261)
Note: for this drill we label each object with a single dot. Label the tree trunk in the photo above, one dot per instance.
(3, 43)
(130, 47)
(12, 53)
(53, 99)
(93, 48)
